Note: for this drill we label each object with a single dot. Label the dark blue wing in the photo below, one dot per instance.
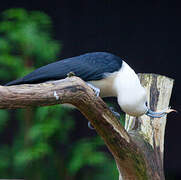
(90, 66)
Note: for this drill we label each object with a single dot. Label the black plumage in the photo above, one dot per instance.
(90, 66)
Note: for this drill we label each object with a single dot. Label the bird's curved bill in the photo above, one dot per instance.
(160, 114)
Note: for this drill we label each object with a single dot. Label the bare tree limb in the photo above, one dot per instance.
(133, 152)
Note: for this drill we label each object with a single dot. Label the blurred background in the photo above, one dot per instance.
(53, 142)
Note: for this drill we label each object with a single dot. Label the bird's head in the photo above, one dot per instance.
(133, 102)
(136, 105)
(132, 96)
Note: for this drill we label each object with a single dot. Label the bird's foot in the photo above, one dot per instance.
(114, 112)
(95, 89)
(90, 126)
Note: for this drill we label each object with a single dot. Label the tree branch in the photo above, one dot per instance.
(130, 149)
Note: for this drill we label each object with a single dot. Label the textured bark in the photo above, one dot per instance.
(138, 152)
(159, 90)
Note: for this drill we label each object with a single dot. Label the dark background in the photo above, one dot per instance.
(144, 33)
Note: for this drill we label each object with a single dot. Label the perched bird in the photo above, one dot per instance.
(106, 73)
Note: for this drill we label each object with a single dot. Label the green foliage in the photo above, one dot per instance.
(85, 153)
(40, 145)
(25, 41)
(3, 119)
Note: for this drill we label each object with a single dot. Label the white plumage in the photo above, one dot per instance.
(125, 85)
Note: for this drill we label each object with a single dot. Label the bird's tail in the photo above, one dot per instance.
(15, 82)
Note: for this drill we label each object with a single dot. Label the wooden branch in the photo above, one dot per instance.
(133, 152)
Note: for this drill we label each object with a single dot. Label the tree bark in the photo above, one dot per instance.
(138, 150)
(151, 130)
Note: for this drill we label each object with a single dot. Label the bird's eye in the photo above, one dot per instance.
(146, 103)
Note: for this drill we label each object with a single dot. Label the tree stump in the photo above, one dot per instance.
(159, 90)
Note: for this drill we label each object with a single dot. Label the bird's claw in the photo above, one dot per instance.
(114, 112)
(95, 89)
(90, 126)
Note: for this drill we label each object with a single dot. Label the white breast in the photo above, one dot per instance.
(106, 85)
(131, 95)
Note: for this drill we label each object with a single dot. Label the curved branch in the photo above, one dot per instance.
(75, 91)
(131, 151)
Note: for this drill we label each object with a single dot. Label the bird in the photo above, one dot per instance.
(107, 74)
